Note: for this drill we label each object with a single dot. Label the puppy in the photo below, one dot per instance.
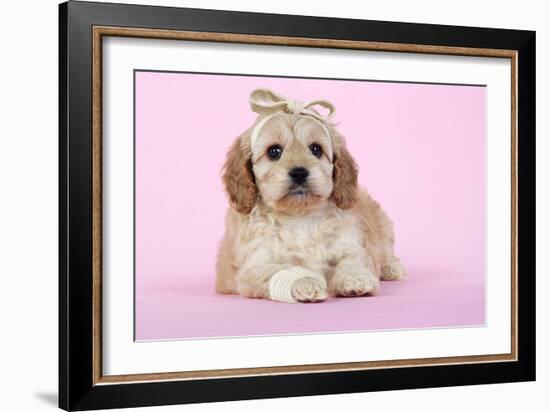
(299, 228)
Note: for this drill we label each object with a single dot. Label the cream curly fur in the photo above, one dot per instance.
(334, 239)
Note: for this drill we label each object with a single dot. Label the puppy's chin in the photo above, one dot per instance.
(298, 199)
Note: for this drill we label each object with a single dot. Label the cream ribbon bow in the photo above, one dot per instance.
(270, 103)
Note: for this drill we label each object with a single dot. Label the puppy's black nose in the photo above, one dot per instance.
(298, 174)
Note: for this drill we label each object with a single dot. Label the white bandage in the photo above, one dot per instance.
(269, 103)
(280, 285)
(258, 128)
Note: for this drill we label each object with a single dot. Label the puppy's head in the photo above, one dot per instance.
(291, 162)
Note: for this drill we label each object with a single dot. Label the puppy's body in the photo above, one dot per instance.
(258, 244)
(300, 228)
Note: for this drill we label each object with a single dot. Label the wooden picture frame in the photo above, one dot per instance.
(82, 384)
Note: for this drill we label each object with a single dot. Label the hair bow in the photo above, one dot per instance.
(270, 103)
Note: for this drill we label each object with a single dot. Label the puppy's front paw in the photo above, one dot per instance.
(355, 285)
(308, 290)
(393, 271)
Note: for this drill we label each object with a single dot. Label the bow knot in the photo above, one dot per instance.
(294, 106)
(268, 102)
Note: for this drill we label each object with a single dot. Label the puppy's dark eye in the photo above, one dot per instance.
(274, 152)
(316, 150)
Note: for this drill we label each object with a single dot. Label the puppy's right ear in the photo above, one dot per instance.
(344, 175)
(238, 177)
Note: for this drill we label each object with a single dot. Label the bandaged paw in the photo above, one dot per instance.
(297, 284)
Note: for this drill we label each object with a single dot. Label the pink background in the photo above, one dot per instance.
(421, 154)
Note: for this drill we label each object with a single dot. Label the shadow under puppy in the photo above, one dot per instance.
(299, 228)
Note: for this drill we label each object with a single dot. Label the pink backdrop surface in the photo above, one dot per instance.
(421, 152)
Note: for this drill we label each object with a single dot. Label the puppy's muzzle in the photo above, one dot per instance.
(298, 175)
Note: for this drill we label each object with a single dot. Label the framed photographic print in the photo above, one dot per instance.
(256, 205)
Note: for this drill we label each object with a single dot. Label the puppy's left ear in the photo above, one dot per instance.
(344, 175)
